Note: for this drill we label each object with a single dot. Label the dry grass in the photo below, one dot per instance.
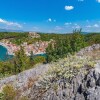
(31, 82)
(95, 55)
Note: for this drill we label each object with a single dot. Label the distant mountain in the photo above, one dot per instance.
(10, 30)
(90, 32)
(85, 32)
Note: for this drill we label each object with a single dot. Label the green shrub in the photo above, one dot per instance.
(24, 98)
(1, 96)
(39, 59)
(9, 93)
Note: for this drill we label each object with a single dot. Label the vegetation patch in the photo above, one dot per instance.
(66, 69)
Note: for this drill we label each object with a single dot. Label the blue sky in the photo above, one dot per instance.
(50, 15)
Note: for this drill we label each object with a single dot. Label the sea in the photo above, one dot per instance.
(3, 54)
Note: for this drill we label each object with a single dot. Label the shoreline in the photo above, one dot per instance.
(9, 51)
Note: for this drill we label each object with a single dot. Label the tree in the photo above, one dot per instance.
(77, 40)
(31, 58)
(21, 61)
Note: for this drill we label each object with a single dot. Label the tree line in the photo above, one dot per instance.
(70, 43)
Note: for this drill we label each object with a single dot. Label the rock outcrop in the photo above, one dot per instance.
(26, 79)
(89, 49)
(81, 87)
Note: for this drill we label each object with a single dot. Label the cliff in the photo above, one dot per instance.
(81, 87)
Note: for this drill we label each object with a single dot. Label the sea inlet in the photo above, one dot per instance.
(3, 54)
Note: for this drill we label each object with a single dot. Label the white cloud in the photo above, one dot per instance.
(98, 1)
(51, 20)
(88, 26)
(68, 23)
(92, 26)
(96, 25)
(76, 26)
(58, 28)
(69, 7)
(10, 23)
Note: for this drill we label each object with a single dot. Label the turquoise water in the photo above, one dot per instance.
(44, 55)
(3, 54)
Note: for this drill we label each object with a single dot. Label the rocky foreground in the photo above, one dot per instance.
(81, 87)
(24, 80)
(73, 78)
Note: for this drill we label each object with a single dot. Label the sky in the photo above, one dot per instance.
(58, 16)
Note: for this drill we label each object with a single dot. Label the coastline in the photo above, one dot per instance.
(9, 51)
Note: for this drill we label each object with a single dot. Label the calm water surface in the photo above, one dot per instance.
(3, 54)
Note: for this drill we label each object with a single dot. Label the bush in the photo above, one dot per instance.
(9, 93)
(39, 59)
(1, 96)
(24, 98)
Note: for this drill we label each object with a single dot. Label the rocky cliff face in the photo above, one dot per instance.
(81, 87)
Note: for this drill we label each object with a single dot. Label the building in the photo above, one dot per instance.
(34, 35)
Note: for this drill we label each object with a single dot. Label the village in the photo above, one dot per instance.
(36, 47)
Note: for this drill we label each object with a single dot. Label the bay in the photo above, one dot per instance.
(3, 54)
